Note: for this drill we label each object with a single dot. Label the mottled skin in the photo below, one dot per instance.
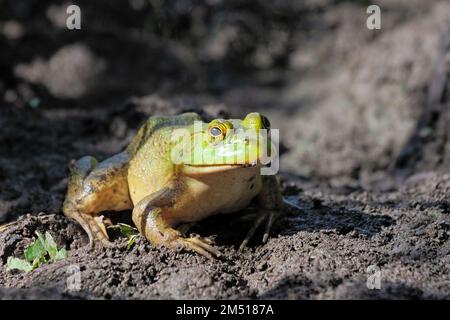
(161, 180)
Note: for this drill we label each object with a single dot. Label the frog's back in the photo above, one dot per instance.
(155, 123)
(150, 166)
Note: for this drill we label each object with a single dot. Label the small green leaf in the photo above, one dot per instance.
(38, 262)
(37, 253)
(50, 246)
(61, 254)
(127, 230)
(40, 237)
(18, 264)
(131, 241)
(35, 250)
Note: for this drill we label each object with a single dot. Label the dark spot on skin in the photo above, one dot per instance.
(103, 177)
(251, 186)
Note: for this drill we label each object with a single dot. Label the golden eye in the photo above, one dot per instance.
(218, 129)
(215, 132)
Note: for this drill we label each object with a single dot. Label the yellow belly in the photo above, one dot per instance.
(222, 192)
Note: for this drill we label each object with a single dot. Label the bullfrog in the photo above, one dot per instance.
(178, 170)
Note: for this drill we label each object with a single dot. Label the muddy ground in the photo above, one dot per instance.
(363, 117)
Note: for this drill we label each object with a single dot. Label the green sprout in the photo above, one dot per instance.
(129, 232)
(41, 251)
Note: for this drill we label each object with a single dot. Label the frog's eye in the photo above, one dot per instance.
(265, 122)
(218, 129)
(215, 132)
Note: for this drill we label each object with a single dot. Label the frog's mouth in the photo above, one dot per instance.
(213, 168)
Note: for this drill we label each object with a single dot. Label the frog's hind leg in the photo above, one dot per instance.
(96, 187)
(149, 217)
(73, 205)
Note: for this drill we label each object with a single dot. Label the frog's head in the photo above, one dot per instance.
(222, 144)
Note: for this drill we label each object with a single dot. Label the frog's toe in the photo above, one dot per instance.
(266, 215)
(200, 246)
(99, 243)
(205, 240)
(251, 232)
(206, 245)
(96, 231)
(271, 218)
(103, 243)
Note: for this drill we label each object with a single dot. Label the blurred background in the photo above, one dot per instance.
(353, 105)
(364, 129)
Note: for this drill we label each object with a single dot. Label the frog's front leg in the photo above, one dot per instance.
(270, 208)
(95, 187)
(149, 218)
